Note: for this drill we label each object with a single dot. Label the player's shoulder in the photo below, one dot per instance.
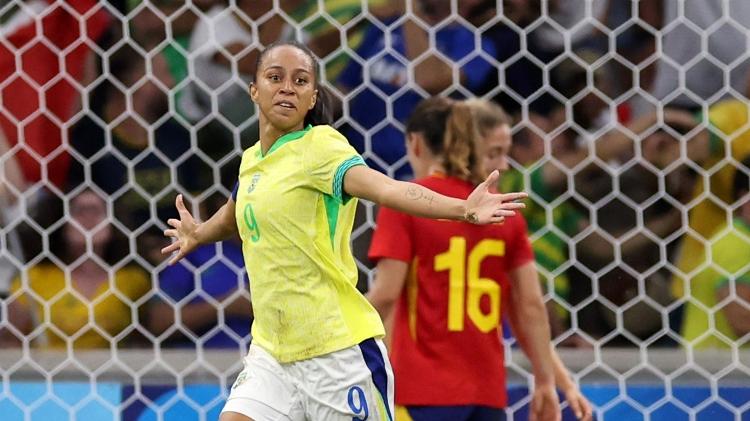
(325, 133)
(251, 154)
(434, 181)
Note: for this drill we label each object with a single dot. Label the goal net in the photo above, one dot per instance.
(630, 132)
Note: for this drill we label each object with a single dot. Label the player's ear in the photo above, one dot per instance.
(314, 99)
(417, 144)
(253, 92)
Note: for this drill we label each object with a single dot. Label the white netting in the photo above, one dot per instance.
(624, 110)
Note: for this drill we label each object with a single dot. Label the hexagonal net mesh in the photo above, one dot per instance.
(630, 134)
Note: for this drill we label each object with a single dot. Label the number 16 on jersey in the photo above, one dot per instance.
(456, 263)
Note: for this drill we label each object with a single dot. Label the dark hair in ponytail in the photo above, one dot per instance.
(428, 119)
(450, 133)
(322, 112)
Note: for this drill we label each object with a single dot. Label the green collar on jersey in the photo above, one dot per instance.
(287, 138)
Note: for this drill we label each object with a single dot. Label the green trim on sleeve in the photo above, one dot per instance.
(338, 178)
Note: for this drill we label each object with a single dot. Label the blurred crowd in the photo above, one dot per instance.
(630, 134)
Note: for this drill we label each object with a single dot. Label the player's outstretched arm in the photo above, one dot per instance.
(189, 234)
(528, 318)
(481, 207)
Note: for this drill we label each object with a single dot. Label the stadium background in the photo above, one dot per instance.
(137, 101)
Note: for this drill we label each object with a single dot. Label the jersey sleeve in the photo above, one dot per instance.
(327, 160)
(393, 236)
(519, 251)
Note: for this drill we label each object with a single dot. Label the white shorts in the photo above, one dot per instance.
(355, 383)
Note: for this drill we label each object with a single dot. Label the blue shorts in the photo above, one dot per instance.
(449, 413)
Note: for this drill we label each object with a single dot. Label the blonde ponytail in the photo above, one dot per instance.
(460, 143)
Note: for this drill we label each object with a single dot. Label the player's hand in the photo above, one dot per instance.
(544, 404)
(578, 403)
(183, 233)
(484, 207)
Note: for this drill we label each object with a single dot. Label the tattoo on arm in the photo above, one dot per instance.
(416, 193)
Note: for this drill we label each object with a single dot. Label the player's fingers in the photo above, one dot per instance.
(181, 209)
(170, 248)
(504, 212)
(176, 258)
(497, 219)
(492, 178)
(586, 411)
(512, 205)
(509, 197)
(174, 222)
(170, 233)
(575, 405)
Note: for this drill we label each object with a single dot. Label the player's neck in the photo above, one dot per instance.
(270, 134)
(436, 169)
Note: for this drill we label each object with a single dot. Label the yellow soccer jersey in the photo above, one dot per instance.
(729, 136)
(295, 222)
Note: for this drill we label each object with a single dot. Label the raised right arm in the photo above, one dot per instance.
(189, 234)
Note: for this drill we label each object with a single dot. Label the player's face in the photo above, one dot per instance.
(496, 147)
(285, 87)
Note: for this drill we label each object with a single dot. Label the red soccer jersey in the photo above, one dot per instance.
(446, 346)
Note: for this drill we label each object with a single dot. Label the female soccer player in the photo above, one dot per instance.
(316, 350)
(449, 282)
(494, 128)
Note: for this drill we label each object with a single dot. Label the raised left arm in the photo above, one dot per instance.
(481, 207)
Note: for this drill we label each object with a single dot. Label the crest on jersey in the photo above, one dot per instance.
(253, 183)
(240, 379)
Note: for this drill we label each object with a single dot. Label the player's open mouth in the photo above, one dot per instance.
(286, 104)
